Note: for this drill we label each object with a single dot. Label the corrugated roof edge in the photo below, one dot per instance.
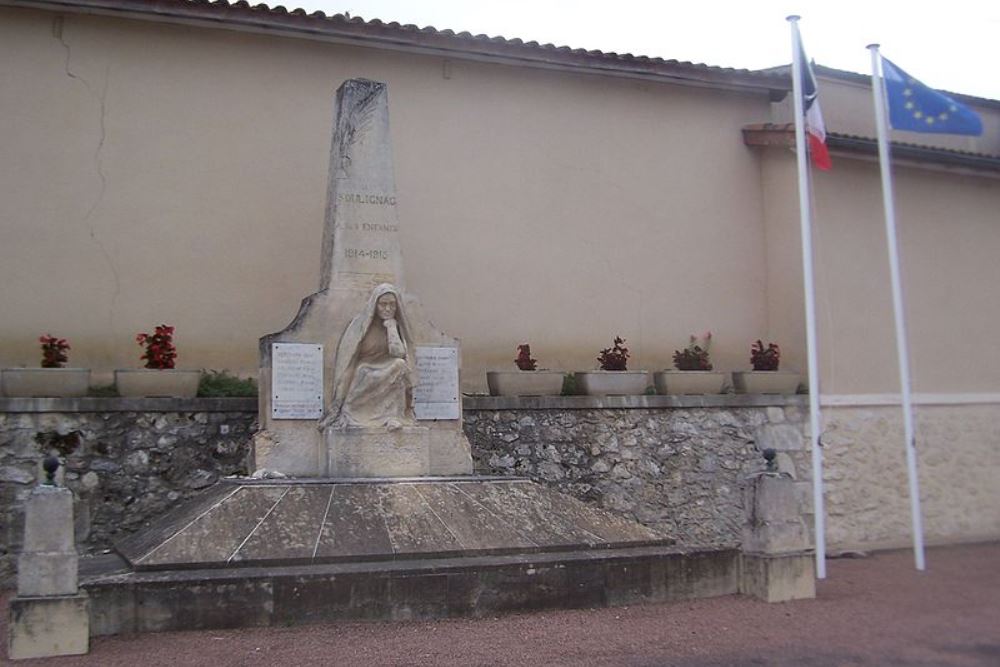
(783, 134)
(376, 33)
(865, 80)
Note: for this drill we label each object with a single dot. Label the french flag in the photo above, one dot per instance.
(815, 129)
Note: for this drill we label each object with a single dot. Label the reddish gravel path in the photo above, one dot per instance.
(871, 611)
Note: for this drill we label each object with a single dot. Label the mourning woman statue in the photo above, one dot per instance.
(373, 371)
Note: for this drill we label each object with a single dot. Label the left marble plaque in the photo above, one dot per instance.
(296, 381)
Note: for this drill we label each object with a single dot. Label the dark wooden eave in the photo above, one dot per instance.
(783, 134)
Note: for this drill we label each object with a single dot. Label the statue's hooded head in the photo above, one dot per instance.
(386, 302)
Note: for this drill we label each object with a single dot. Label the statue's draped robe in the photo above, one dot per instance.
(374, 370)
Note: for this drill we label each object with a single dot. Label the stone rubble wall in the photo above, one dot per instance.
(675, 465)
(679, 470)
(124, 468)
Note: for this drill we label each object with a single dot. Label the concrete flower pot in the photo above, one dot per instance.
(766, 382)
(689, 382)
(45, 382)
(525, 383)
(612, 383)
(153, 382)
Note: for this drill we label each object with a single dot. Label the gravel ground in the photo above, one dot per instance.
(869, 611)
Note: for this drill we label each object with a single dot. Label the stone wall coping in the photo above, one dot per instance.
(631, 402)
(91, 404)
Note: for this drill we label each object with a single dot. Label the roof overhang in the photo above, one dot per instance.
(355, 31)
(866, 148)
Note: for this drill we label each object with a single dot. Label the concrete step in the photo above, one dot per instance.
(472, 586)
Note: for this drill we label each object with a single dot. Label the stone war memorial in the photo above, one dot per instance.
(361, 383)
(363, 503)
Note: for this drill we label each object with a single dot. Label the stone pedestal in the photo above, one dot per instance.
(370, 452)
(778, 578)
(48, 562)
(411, 451)
(776, 563)
(41, 627)
(48, 617)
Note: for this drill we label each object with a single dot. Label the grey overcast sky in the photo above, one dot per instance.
(952, 45)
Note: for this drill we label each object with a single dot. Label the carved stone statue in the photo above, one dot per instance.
(374, 367)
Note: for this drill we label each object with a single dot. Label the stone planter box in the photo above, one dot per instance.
(45, 382)
(766, 382)
(689, 382)
(152, 382)
(525, 383)
(612, 383)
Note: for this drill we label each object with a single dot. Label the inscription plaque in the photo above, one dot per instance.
(436, 393)
(296, 381)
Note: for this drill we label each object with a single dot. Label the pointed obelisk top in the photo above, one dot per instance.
(361, 233)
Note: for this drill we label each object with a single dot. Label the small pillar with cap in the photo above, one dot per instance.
(776, 560)
(49, 616)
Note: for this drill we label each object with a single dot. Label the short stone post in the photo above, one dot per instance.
(776, 563)
(49, 616)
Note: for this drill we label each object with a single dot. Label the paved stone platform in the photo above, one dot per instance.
(294, 522)
(277, 552)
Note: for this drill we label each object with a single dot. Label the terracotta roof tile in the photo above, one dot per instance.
(375, 32)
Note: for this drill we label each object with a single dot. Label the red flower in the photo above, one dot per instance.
(160, 351)
(53, 351)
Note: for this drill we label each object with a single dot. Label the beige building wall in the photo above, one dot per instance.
(160, 173)
(157, 173)
(948, 243)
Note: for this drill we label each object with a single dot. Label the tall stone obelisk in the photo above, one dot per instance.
(360, 251)
(361, 234)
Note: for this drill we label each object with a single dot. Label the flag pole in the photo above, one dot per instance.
(878, 94)
(805, 220)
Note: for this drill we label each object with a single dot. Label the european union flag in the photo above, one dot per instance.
(917, 108)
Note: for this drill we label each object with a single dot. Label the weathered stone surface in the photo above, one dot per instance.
(220, 532)
(16, 475)
(48, 563)
(124, 467)
(776, 515)
(778, 578)
(46, 573)
(48, 520)
(291, 530)
(42, 627)
(782, 437)
(660, 456)
(408, 589)
(353, 525)
(413, 526)
(379, 452)
(681, 470)
(293, 522)
(472, 524)
(864, 471)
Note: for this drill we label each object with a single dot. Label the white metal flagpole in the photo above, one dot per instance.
(878, 94)
(805, 219)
